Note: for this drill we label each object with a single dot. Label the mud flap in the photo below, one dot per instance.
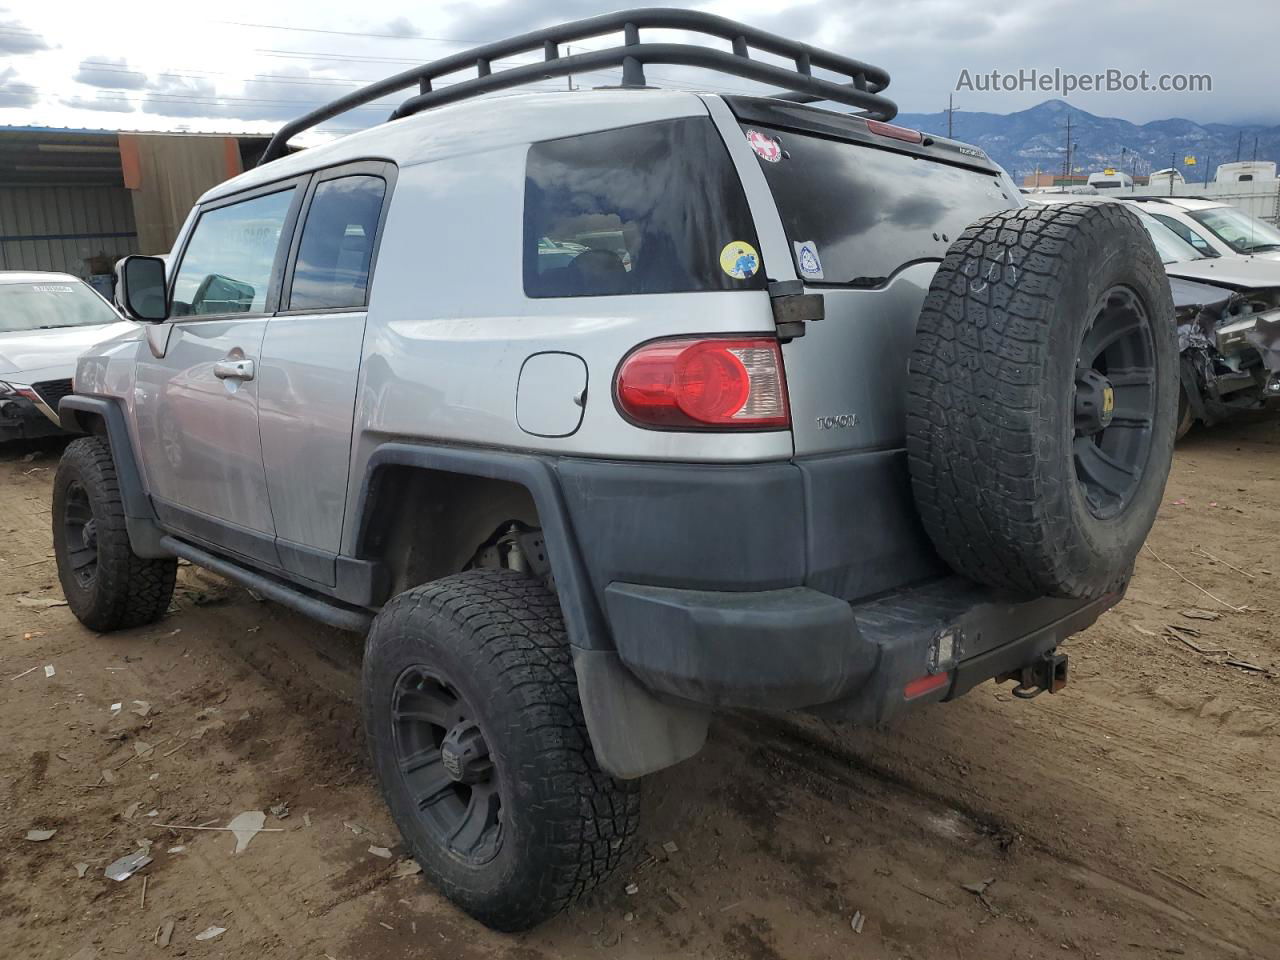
(632, 732)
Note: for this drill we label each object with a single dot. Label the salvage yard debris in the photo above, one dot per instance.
(43, 603)
(246, 826)
(406, 868)
(1197, 614)
(1200, 551)
(1184, 577)
(124, 868)
(1184, 634)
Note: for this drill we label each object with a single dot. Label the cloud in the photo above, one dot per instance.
(176, 96)
(291, 93)
(14, 93)
(401, 27)
(110, 73)
(514, 17)
(103, 100)
(18, 39)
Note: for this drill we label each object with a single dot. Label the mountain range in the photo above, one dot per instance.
(1035, 138)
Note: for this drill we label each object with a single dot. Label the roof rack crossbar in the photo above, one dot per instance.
(865, 82)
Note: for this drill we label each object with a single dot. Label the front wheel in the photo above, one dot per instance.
(107, 585)
(478, 740)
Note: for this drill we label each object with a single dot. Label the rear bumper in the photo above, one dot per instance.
(797, 647)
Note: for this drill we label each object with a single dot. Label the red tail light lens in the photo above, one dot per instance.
(926, 684)
(895, 131)
(704, 383)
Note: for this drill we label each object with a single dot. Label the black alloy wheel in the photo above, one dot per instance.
(1114, 401)
(80, 535)
(446, 765)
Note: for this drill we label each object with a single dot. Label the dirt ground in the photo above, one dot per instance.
(1134, 815)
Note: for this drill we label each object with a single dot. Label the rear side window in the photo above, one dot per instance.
(227, 265)
(857, 214)
(334, 257)
(654, 208)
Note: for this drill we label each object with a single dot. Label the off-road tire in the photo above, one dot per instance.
(126, 590)
(992, 398)
(497, 638)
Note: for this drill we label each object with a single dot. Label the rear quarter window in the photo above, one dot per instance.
(653, 208)
(867, 212)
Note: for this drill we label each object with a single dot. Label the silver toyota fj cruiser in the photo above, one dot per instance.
(600, 411)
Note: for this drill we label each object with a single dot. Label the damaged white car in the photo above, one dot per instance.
(46, 321)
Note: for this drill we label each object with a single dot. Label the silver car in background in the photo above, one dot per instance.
(46, 321)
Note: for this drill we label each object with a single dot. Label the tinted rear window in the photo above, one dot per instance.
(858, 214)
(337, 244)
(655, 208)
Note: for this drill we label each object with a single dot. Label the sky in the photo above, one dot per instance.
(237, 66)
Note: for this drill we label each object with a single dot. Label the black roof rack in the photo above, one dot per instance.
(801, 86)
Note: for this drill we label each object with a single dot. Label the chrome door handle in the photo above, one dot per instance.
(233, 369)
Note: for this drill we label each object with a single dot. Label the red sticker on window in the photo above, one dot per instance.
(766, 148)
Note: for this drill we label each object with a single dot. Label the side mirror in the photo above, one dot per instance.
(140, 289)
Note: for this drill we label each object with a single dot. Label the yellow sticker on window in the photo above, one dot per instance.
(739, 260)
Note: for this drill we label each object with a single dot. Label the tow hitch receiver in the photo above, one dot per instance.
(1046, 672)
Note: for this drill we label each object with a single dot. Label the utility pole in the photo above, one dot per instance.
(1066, 165)
(1208, 163)
(568, 52)
(1173, 165)
(1239, 144)
(951, 111)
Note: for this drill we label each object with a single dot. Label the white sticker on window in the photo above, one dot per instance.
(807, 259)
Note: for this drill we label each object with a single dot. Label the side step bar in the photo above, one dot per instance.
(342, 617)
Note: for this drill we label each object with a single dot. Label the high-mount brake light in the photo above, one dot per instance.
(705, 383)
(895, 131)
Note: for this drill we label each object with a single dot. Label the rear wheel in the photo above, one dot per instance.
(477, 736)
(107, 585)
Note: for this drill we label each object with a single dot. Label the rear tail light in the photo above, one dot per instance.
(895, 131)
(705, 382)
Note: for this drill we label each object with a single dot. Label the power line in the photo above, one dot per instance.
(256, 78)
(350, 33)
(98, 66)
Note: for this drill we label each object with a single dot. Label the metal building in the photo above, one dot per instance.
(77, 200)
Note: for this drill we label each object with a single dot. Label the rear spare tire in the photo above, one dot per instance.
(1043, 399)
